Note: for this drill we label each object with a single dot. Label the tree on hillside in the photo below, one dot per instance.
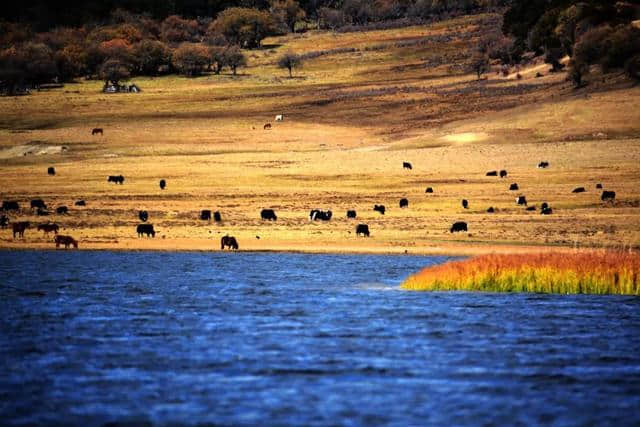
(290, 61)
(150, 55)
(244, 27)
(217, 59)
(119, 49)
(479, 63)
(175, 29)
(287, 13)
(12, 73)
(234, 58)
(114, 71)
(330, 18)
(71, 61)
(191, 59)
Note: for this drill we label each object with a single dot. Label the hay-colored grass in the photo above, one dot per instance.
(601, 272)
(351, 119)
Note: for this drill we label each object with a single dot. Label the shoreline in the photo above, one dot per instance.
(189, 245)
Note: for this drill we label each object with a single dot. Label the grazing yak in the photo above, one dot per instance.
(351, 214)
(543, 165)
(608, 195)
(279, 118)
(268, 214)
(217, 217)
(10, 206)
(143, 215)
(514, 187)
(521, 200)
(230, 242)
(379, 208)
(49, 227)
(491, 210)
(19, 227)
(404, 203)
(146, 229)
(117, 179)
(38, 203)
(317, 214)
(80, 203)
(503, 173)
(579, 190)
(42, 212)
(458, 226)
(96, 131)
(4, 221)
(599, 186)
(429, 190)
(205, 215)
(465, 203)
(163, 184)
(362, 229)
(51, 170)
(62, 210)
(406, 165)
(492, 173)
(546, 211)
(267, 126)
(66, 241)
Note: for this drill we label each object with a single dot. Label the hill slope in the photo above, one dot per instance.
(362, 105)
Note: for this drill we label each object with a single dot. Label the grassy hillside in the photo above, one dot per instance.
(361, 106)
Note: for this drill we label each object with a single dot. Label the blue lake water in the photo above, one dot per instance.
(89, 338)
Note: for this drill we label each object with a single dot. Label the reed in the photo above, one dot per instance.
(603, 272)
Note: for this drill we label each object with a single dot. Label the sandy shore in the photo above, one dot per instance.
(206, 245)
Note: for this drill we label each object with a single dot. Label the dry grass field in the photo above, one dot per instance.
(364, 104)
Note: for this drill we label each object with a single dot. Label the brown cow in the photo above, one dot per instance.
(267, 126)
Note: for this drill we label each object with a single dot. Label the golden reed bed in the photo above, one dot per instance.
(603, 272)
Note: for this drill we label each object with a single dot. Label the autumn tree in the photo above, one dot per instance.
(190, 59)
(150, 55)
(175, 29)
(234, 58)
(290, 61)
(287, 13)
(71, 61)
(114, 71)
(217, 60)
(242, 26)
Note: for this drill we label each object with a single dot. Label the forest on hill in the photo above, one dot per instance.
(44, 42)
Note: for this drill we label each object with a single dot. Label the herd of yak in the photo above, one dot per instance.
(145, 229)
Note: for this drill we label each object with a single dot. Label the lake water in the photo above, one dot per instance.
(291, 339)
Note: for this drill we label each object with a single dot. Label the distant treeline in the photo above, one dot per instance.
(590, 32)
(44, 14)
